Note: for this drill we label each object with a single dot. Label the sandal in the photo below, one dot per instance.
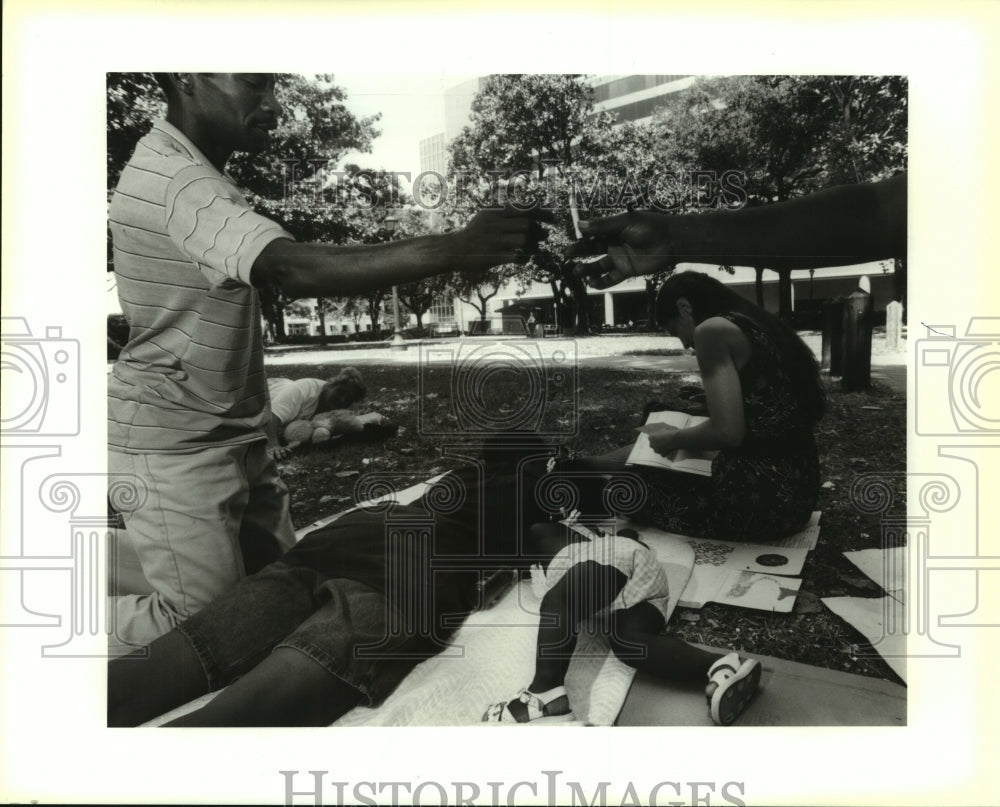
(528, 706)
(731, 685)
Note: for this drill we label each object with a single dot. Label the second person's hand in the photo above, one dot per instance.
(633, 244)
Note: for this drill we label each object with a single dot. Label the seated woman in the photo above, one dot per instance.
(342, 617)
(763, 393)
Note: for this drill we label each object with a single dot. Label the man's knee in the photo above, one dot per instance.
(628, 638)
(139, 619)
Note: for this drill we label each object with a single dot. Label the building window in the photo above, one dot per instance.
(443, 310)
(298, 329)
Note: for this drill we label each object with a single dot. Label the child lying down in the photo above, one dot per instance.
(618, 576)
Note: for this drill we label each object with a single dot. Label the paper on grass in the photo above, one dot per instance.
(806, 538)
(887, 567)
(764, 592)
(733, 573)
(868, 615)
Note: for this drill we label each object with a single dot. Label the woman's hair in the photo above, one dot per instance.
(709, 298)
(341, 391)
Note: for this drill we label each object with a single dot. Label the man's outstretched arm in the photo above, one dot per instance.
(491, 238)
(839, 226)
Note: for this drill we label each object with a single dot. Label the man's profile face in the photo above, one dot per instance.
(239, 109)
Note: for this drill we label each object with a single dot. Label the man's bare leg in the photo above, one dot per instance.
(154, 680)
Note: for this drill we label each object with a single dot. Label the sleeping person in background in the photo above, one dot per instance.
(313, 410)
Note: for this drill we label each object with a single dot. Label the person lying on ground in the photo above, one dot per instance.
(617, 576)
(309, 411)
(286, 640)
(187, 396)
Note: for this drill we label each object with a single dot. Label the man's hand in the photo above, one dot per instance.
(494, 237)
(633, 244)
(278, 453)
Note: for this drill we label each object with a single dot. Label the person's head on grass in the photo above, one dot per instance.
(341, 391)
(222, 112)
(686, 299)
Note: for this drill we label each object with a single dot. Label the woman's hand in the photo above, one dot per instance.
(663, 440)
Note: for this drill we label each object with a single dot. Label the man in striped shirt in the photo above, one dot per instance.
(187, 398)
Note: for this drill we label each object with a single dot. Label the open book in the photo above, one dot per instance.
(692, 462)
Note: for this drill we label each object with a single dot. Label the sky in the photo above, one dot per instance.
(412, 108)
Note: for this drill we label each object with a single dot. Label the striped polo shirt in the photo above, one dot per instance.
(185, 240)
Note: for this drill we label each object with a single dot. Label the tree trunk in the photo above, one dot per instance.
(651, 287)
(557, 302)
(759, 284)
(581, 304)
(899, 284)
(279, 324)
(785, 294)
(321, 311)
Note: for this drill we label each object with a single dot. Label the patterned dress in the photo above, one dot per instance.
(766, 488)
(645, 578)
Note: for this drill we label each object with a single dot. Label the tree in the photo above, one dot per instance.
(537, 129)
(370, 303)
(790, 135)
(133, 101)
(478, 288)
(290, 181)
(419, 296)
(314, 134)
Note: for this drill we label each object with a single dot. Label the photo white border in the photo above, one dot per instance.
(55, 56)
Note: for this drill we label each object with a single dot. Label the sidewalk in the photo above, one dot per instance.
(633, 351)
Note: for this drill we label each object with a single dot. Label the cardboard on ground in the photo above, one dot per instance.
(759, 576)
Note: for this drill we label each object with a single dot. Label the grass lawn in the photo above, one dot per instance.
(862, 432)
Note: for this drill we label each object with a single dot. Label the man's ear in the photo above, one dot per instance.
(183, 82)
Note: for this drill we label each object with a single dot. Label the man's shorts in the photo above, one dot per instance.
(347, 627)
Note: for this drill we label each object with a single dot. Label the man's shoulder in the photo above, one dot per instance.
(162, 154)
